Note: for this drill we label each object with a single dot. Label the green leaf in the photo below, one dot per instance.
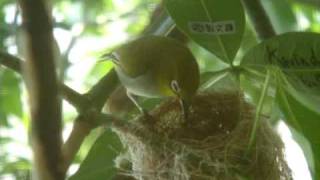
(14, 166)
(259, 109)
(251, 83)
(10, 100)
(99, 163)
(216, 25)
(304, 121)
(294, 60)
(209, 79)
(223, 80)
(298, 57)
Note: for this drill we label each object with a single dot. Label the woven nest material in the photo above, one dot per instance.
(211, 144)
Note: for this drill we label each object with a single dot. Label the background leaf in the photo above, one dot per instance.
(298, 57)
(294, 59)
(99, 163)
(216, 25)
(10, 100)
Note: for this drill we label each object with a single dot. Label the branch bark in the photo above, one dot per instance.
(71, 147)
(42, 87)
(101, 91)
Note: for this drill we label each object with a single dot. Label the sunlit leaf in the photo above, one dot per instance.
(223, 80)
(216, 25)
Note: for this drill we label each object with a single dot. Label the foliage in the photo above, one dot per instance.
(210, 25)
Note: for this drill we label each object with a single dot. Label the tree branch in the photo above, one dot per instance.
(101, 91)
(10, 61)
(43, 91)
(259, 19)
(70, 148)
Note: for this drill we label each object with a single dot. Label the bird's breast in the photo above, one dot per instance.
(146, 85)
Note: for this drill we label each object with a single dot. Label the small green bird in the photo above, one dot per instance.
(155, 66)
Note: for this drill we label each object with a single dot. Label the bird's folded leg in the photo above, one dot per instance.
(143, 111)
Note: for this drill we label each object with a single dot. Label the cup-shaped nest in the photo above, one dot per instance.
(212, 143)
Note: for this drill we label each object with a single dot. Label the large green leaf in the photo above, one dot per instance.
(252, 83)
(99, 163)
(304, 121)
(216, 25)
(298, 57)
(294, 61)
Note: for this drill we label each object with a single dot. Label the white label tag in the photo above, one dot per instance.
(214, 28)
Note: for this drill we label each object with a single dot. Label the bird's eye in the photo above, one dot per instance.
(175, 86)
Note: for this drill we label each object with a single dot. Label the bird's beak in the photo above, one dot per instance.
(185, 108)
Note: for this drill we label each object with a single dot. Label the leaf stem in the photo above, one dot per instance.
(218, 75)
(259, 110)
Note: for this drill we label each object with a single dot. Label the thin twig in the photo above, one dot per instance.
(76, 99)
(73, 97)
(10, 61)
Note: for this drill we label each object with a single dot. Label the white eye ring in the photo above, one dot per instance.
(175, 86)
